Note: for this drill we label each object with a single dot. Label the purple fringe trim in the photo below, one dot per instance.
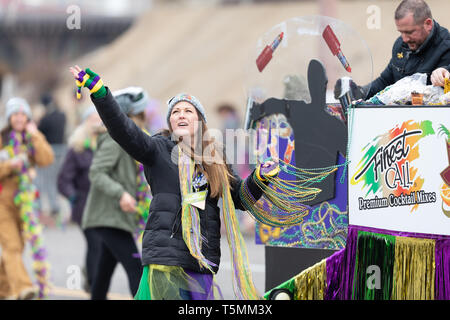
(442, 271)
(340, 267)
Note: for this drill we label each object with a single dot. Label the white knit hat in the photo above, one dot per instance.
(132, 100)
(17, 104)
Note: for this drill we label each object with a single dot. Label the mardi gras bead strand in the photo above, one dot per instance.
(286, 193)
(282, 203)
(243, 286)
(190, 217)
(26, 199)
(266, 212)
(143, 198)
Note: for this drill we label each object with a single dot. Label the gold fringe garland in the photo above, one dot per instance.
(413, 274)
(310, 284)
(414, 269)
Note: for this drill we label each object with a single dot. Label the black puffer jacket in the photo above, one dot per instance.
(432, 54)
(163, 241)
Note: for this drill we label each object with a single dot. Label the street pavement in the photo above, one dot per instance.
(66, 249)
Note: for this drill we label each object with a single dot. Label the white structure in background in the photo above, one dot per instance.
(7, 92)
(29, 17)
(112, 8)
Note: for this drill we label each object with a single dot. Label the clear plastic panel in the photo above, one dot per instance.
(285, 74)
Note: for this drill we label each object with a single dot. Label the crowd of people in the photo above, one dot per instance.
(105, 187)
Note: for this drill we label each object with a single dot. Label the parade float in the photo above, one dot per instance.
(370, 179)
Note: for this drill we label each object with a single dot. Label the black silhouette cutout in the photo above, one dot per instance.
(318, 135)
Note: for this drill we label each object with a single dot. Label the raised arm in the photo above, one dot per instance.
(122, 129)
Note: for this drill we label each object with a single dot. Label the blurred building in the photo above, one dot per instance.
(40, 37)
(220, 2)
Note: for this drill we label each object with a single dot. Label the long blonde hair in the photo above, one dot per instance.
(218, 168)
(77, 140)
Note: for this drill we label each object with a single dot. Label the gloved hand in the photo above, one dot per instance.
(266, 170)
(90, 80)
(347, 92)
(346, 85)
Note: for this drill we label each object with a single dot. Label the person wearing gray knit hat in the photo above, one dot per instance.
(188, 98)
(17, 104)
(132, 100)
(119, 197)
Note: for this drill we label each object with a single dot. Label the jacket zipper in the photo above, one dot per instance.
(175, 223)
(205, 239)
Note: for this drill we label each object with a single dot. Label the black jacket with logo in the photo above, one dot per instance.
(432, 54)
(163, 241)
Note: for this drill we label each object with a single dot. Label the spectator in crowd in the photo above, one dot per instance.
(22, 148)
(110, 213)
(52, 125)
(73, 179)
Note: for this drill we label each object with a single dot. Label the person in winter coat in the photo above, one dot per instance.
(423, 46)
(22, 148)
(110, 212)
(181, 243)
(52, 125)
(73, 178)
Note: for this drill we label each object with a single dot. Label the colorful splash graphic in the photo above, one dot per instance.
(387, 166)
(325, 227)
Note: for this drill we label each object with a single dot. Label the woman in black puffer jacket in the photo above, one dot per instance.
(181, 243)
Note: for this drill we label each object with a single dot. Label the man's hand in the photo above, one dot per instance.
(438, 76)
(127, 203)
